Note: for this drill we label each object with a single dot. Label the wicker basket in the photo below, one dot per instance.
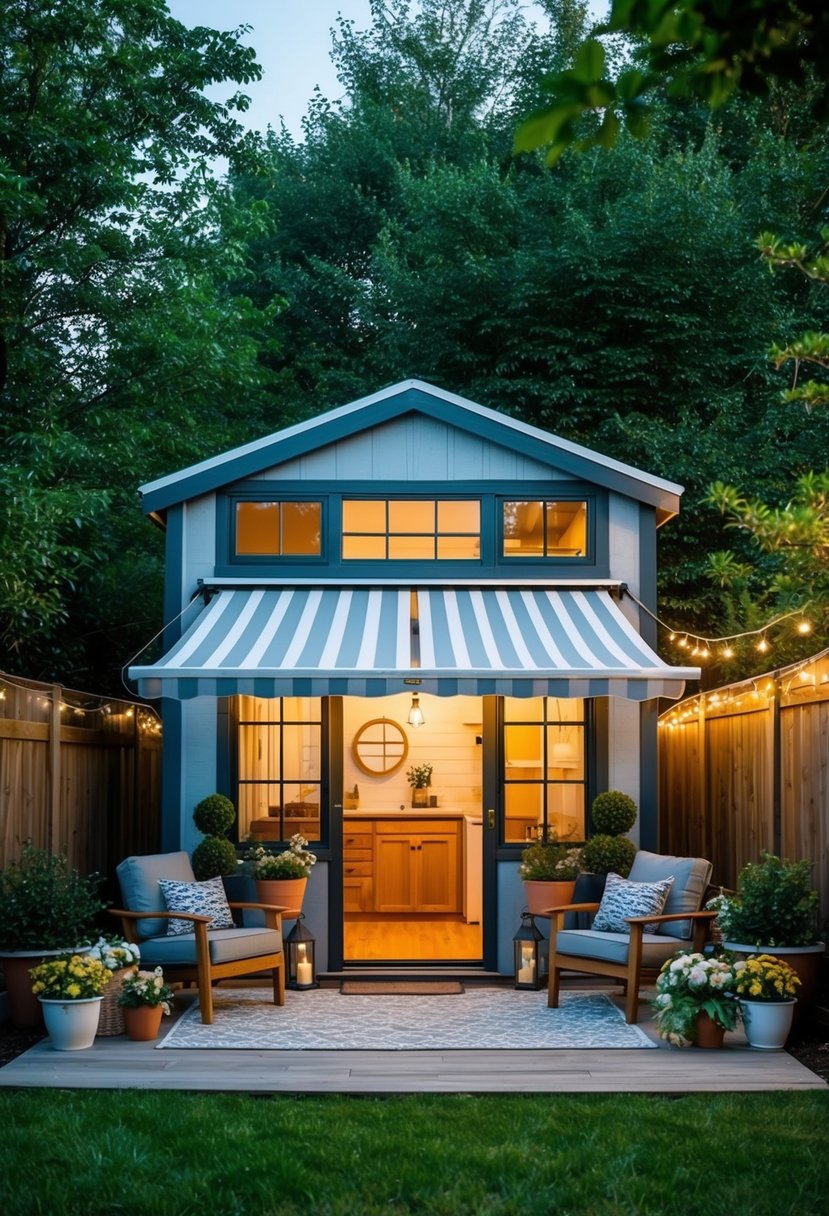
(112, 1014)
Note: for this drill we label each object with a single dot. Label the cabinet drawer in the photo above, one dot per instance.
(357, 869)
(351, 855)
(357, 840)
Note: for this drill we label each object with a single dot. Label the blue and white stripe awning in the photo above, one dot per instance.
(373, 641)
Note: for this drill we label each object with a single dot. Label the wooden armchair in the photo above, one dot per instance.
(205, 955)
(637, 956)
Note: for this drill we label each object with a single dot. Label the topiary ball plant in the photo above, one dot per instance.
(603, 854)
(613, 813)
(214, 856)
(214, 815)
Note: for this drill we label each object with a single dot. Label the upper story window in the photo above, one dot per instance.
(544, 528)
(278, 529)
(411, 529)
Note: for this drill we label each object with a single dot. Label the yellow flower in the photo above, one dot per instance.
(73, 990)
(755, 989)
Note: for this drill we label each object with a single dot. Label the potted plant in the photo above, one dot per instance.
(120, 958)
(549, 871)
(420, 778)
(281, 878)
(70, 990)
(144, 999)
(612, 814)
(696, 1000)
(214, 856)
(774, 911)
(46, 908)
(767, 988)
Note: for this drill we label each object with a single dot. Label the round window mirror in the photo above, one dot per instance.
(380, 747)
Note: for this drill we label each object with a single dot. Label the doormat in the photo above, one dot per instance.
(401, 988)
(478, 1019)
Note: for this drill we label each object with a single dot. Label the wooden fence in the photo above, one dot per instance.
(746, 768)
(78, 773)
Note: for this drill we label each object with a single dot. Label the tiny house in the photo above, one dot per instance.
(419, 633)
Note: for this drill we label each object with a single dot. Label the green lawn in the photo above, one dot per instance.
(70, 1152)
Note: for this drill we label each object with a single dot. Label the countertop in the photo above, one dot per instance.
(411, 812)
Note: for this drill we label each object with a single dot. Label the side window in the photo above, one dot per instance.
(279, 765)
(411, 529)
(544, 528)
(544, 769)
(277, 529)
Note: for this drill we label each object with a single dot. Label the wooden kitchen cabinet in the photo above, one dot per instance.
(358, 866)
(417, 866)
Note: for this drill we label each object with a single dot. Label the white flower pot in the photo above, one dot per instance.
(71, 1024)
(767, 1023)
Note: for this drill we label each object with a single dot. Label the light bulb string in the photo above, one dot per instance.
(714, 641)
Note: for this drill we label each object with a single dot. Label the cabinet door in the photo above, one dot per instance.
(438, 873)
(357, 894)
(394, 873)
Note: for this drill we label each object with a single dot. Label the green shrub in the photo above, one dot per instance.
(214, 815)
(604, 853)
(44, 905)
(613, 813)
(775, 904)
(213, 857)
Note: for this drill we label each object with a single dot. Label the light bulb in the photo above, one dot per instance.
(416, 718)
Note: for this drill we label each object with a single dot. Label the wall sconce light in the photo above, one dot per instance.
(416, 718)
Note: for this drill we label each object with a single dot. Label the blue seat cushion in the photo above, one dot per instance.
(613, 947)
(226, 946)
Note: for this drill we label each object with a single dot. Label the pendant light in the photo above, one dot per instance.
(416, 718)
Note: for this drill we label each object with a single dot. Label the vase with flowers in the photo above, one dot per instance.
(70, 990)
(120, 958)
(281, 877)
(419, 777)
(767, 987)
(696, 1001)
(144, 999)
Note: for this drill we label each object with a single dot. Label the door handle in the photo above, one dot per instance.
(490, 819)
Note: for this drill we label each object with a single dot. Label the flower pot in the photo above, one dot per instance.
(24, 1007)
(142, 1022)
(707, 1032)
(767, 1023)
(286, 892)
(804, 960)
(71, 1025)
(538, 896)
(420, 797)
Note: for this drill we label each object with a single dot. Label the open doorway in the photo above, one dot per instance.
(412, 873)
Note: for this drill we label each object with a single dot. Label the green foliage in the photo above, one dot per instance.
(214, 815)
(214, 856)
(550, 862)
(613, 812)
(603, 854)
(775, 904)
(45, 905)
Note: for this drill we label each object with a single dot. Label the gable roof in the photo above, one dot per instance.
(393, 402)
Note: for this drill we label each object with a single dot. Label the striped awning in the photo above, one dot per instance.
(373, 641)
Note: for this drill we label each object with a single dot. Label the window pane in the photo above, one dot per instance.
(301, 811)
(458, 547)
(565, 709)
(258, 807)
(258, 753)
(565, 753)
(524, 709)
(259, 709)
(523, 751)
(365, 548)
(565, 811)
(523, 529)
(411, 516)
(257, 528)
(301, 528)
(364, 515)
(566, 529)
(523, 805)
(412, 547)
(301, 709)
(459, 516)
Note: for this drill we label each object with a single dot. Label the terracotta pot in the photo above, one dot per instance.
(287, 892)
(707, 1032)
(71, 1024)
(538, 896)
(142, 1022)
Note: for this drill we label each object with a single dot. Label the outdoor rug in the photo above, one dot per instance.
(322, 1019)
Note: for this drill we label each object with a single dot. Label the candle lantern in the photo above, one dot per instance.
(528, 943)
(299, 945)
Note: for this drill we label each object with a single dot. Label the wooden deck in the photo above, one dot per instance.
(118, 1063)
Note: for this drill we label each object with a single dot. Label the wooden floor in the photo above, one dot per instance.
(370, 939)
(117, 1063)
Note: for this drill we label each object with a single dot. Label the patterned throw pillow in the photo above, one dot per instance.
(625, 898)
(201, 898)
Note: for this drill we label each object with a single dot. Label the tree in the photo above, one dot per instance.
(127, 343)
